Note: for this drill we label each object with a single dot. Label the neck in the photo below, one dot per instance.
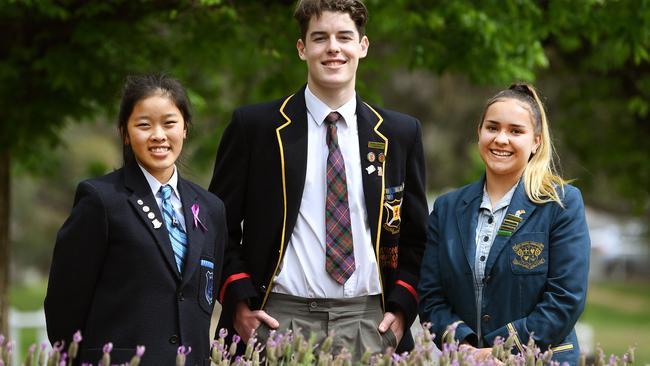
(498, 185)
(334, 98)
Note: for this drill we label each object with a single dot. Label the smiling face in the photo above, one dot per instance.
(156, 130)
(332, 50)
(506, 140)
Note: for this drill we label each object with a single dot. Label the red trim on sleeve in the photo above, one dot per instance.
(409, 288)
(229, 280)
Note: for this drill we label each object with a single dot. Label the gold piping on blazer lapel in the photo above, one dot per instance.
(284, 196)
(380, 120)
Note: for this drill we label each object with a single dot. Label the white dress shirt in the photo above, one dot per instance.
(302, 272)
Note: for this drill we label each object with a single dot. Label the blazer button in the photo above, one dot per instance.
(263, 289)
(173, 339)
(485, 318)
(180, 296)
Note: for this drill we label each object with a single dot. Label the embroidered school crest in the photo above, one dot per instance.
(209, 283)
(528, 254)
(393, 215)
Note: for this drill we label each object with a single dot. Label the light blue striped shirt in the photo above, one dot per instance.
(489, 220)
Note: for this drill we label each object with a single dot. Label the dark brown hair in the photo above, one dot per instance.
(307, 9)
(139, 87)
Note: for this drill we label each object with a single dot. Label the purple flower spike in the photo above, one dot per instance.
(108, 347)
(32, 348)
(10, 346)
(76, 338)
(223, 333)
(2, 339)
(236, 339)
(139, 351)
(43, 346)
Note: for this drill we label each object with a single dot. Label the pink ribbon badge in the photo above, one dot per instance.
(197, 221)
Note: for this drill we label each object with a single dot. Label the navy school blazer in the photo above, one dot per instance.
(113, 274)
(260, 174)
(535, 279)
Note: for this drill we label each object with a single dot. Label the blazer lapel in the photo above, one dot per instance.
(521, 207)
(466, 217)
(146, 207)
(195, 234)
(292, 143)
(371, 139)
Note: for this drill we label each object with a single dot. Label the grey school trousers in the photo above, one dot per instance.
(353, 321)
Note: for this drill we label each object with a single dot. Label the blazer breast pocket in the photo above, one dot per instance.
(206, 284)
(529, 253)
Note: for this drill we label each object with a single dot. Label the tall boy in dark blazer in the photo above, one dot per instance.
(326, 212)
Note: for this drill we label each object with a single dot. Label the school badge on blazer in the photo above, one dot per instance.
(206, 283)
(528, 254)
(393, 207)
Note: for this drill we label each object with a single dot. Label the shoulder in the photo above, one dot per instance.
(571, 196)
(261, 109)
(390, 116)
(210, 198)
(452, 197)
(104, 184)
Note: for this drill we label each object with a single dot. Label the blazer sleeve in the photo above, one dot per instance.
(78, 256)
(566, 289)
(229, 182)
(435, 309)
(413, 232)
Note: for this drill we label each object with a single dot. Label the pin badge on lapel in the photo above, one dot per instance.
(370, 169)
(156, 224)
(371, 156)
(376, 145)
(381, 157)
(510, 223)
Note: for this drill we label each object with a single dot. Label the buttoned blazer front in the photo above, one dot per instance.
(260, 173)
(114, 277)
(535, 279)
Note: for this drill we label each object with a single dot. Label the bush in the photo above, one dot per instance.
(291, 349)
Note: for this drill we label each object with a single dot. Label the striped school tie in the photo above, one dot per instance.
(339, 253)
(176, 233)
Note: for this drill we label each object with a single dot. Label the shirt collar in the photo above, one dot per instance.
(155, 185)
(319, 110)
(503, 202)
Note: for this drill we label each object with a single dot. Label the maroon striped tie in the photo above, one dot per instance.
(339, 254)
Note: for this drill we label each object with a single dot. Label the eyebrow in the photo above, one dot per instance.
(323, 33)
(514, 124)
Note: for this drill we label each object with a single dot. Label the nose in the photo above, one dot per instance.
(333, 45)
(501, 138)
(158, 134)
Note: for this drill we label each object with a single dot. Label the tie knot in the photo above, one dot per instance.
(166, 191)
(332, 118)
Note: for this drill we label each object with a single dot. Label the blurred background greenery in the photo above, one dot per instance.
(62, 64)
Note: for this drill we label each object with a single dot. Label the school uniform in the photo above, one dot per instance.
(534, 280)
(261, 172)
(114, 275)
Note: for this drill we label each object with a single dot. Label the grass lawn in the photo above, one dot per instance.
(620, 316)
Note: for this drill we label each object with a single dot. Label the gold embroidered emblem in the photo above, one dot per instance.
(393, 215)
(528, 254)
(388, 257)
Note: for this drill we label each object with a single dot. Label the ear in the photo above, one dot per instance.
(300, 45)
(538, 141)
(365, 43)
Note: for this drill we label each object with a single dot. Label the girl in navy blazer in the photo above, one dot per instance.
(138, 261)
(509, 254)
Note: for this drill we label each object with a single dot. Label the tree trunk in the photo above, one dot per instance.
(5, 198)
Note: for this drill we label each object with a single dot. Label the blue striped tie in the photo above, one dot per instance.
(176, 233)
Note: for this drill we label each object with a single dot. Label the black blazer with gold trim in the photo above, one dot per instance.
(260, 174)
(114, 277)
